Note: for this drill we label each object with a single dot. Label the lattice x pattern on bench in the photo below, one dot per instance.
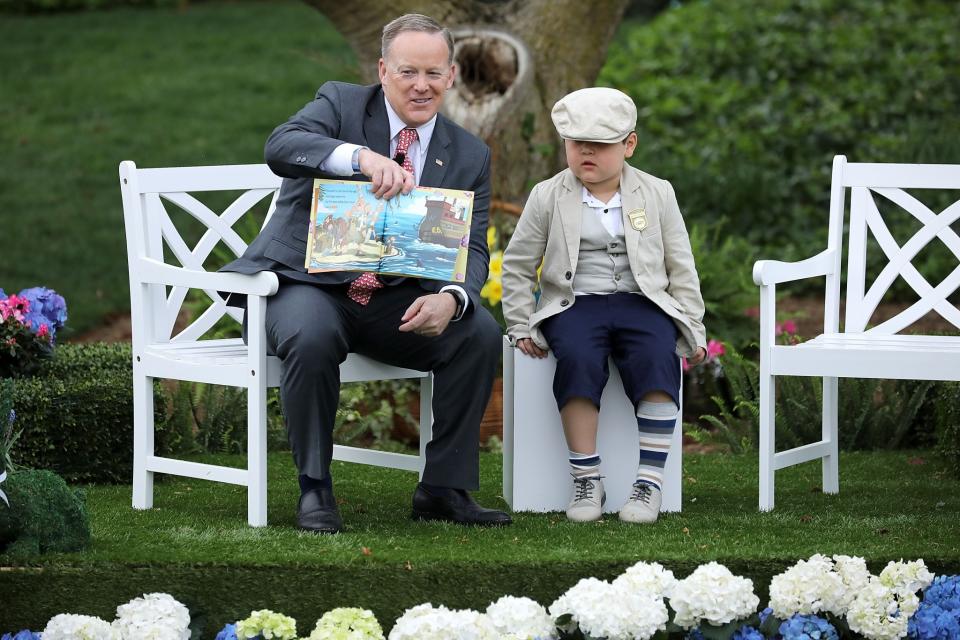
(861, 349)
(158, 289)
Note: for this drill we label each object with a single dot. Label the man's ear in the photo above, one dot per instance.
(453, 75)
(382, 70)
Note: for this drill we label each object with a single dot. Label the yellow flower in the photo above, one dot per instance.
(496, 263)
(492, 291)
(491, 237)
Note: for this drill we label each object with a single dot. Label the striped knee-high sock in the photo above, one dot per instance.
(656, 421)
(584, 465)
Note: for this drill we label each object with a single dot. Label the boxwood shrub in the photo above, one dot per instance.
(77, 415)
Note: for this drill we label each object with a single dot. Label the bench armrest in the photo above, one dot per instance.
(264, 283)
(766, 272)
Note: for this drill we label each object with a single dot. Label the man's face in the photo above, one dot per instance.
(415, 75)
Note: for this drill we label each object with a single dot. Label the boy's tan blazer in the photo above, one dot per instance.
(659, 254)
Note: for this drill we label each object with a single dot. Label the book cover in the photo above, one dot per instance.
(423, 234)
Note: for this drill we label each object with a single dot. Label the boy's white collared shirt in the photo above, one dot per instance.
(610, 213)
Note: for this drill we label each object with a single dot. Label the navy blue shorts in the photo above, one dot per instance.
(636, 332)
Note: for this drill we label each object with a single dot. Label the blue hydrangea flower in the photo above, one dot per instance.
(3, 296)
(944, 592)
(747, 633)
(46, 307)
(765, 614)
(932, 622)
(807, 628)
(24, 634)
(694, 634)
(229, 632)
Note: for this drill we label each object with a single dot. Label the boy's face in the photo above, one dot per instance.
(598, 164)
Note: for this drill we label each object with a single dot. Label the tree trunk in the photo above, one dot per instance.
(515, 60)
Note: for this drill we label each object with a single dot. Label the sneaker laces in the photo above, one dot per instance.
(584, 487)
(641, 492)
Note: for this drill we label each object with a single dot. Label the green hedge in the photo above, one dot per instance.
(56, 6)
(77, 416)
(742, 105)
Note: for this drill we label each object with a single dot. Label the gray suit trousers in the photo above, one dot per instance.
(312, 328)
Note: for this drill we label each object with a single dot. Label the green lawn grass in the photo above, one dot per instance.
(196, 543)
(83, 91)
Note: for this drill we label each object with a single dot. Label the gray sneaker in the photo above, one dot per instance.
(643, 505)
(588, 498)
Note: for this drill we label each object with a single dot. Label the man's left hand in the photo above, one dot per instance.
(429, 315)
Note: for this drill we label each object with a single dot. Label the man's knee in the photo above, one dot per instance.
(312, 347)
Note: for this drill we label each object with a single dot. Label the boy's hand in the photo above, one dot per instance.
(698, 357)
(527, 346)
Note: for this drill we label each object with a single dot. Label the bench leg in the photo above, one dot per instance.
(257, 415)
(142, 441)
(831, 463)
(767, 440)
(426, 419)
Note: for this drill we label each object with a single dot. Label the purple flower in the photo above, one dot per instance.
(46, 307)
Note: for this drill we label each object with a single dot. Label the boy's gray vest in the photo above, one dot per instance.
(603, 266)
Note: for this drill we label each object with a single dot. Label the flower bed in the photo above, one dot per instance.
(819, 598)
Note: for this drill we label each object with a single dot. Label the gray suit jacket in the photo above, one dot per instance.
(341, 113)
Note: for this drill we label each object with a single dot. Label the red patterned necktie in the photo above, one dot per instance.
(362, 288)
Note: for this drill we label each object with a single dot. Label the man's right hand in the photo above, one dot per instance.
(386, 176)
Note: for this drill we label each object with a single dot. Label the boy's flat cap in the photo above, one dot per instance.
(597, 114)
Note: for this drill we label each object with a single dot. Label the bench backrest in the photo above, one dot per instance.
(867, 183)
(149, 228)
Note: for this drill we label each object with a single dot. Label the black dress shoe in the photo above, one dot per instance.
(318, 511)
(454, 505)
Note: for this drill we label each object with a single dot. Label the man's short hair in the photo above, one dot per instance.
(414, 22)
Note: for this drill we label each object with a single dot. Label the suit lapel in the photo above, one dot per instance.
(376, 126)
(570, 210)
(633, 200)
(438, 156)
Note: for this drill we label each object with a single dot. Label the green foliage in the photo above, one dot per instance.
(946, 411)
(44, 515)
(8, 431)
(872, 414)
(77, 417)
(56, 6)
(742, 105)
(727, 288)
(378, 415)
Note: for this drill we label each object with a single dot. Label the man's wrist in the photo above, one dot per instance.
(458, 312)
(355, 159)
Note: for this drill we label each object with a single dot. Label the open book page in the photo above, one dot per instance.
(424, 234)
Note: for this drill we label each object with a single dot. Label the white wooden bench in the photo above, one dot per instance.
(157, 291)
(859, 350)
(536, 473)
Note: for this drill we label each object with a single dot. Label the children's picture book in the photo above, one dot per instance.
(423, 234)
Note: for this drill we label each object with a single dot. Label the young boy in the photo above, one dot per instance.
(618, 279)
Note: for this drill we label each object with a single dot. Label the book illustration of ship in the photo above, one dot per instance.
(444, 223)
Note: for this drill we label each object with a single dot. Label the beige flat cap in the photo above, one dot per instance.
(597, 114)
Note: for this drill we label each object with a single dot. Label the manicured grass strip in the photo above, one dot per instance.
(196, 545)
(83, 91)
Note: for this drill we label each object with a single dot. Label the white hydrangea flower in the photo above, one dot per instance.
(155, 616)
(68, 626)
(880, 612)
(809, 587)
(712, 594)
(649, 577)
(424, 622)
(521, 619)
(602, 610)
(908, 577)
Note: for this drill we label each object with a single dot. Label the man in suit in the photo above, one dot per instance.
(391, 134)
